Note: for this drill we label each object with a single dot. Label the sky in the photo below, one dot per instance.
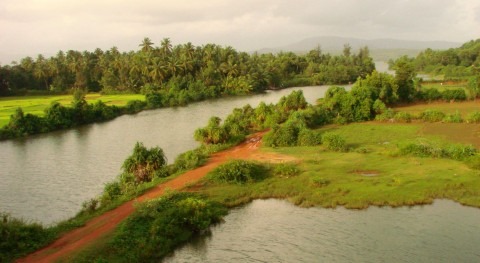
(32, 27)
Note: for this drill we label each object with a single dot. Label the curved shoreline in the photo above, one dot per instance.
(79, 238)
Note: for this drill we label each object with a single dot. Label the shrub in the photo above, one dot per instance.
(427, 149)
(238, 172)
(474, 117)
(307, 137)
(111, 191)
(134, 106)
(453, 118)
(403, 117)
(281, 135)
(334, 142)
(385, 116)
(191, 159)
(143, 162)
(160, 225)
(431, 94)
(454, 94)
(18, 237)
(432, 116)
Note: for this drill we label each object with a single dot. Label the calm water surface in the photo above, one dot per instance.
(46, 178)
(277, 231)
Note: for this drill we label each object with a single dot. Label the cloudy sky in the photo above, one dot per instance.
(30, 27)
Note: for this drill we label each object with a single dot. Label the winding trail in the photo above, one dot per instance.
(79, 238)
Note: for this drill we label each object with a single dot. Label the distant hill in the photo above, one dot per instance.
(381, 49)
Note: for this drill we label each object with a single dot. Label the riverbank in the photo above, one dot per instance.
(97, 228)
(371, 172)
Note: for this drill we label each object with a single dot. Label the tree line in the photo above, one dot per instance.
(454, 63)
(221, 70)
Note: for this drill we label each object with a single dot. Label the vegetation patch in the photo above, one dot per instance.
(238, 172)
(157, 227)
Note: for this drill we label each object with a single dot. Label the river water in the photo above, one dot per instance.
(46, 178)
(277, 231)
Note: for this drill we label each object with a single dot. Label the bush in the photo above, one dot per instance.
(238, 172)
(403, 117)
(191, 159)
(281, 135)
(432, 116)
(134, 106)
(307, 137)
(143, 162)
(454, 95)
(427, 149)
(385, 116)
(334, 142)
(431, 94)
(453, 118)
(474, 117)
(160, 225)
(18, 238)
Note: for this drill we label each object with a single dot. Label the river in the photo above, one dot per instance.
(46, 178)
(277, 231)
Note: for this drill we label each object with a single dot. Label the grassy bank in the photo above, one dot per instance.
(372, 172)
(37, 104)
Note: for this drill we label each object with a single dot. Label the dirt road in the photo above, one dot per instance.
(99, 226)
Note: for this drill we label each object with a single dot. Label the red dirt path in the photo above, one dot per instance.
(77, 239)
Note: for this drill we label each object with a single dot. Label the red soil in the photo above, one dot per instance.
(98, 227)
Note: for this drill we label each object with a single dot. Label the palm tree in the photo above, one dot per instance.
(147, 45)
(166, 47)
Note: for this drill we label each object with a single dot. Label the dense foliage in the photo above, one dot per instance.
(238, 172)
(158, 226)
(18, 237)
(144, 162)
(208, 70)
(454, 63)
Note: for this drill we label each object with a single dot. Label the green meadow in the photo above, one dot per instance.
(371, 172)
(37, 104)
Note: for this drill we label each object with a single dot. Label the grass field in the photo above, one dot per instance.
(371, 173)
(464, 108)
(37, 104)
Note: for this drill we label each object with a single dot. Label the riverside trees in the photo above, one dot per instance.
(221, 70)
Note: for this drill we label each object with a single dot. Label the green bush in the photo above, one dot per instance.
(454, 95)
(474, 117)
(143, 162)
(403, 117)
(424, 148)
(18, 238)
(158, 226)
(191, 159)
(307, 137)
(334, 142)
(432, 115)
(453, 118)
(282, 135)
(238, 172)
(387, 115)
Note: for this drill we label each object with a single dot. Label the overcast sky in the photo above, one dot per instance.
(30, 27)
